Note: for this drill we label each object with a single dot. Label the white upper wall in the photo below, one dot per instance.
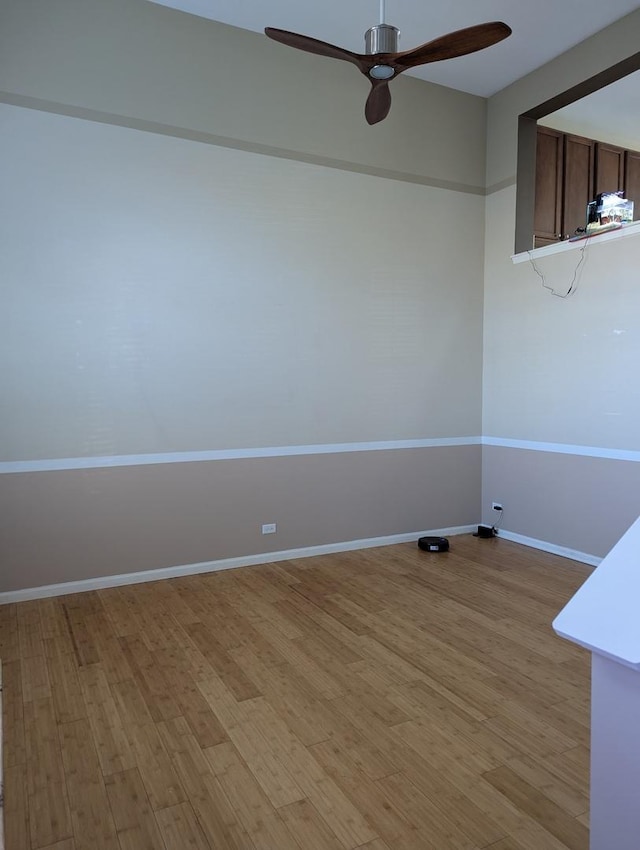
(170, 287)
(559, 370)
(165, 295)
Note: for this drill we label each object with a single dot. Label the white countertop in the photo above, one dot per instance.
(604, 615)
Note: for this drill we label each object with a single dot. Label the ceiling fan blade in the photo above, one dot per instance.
(458, 43)
(378, 103)
(312, 45)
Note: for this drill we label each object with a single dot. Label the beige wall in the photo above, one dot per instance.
(579, 503)
(560, 371)
(199, 257)
(136, 61)
(84, 524)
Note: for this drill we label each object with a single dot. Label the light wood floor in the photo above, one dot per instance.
(388, 699)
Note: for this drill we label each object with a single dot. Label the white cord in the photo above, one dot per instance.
(573, 287)
(382, 11)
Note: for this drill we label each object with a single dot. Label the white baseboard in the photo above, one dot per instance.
(84, 585)
(545, 546)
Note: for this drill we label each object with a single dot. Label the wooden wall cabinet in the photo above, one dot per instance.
(609, 168)
(577, 183)
(547, 220)
(570, 172)
(632, 180)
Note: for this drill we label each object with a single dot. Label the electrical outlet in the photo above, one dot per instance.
(496, 506)
(269, 528)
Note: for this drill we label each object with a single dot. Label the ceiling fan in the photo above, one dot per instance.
(382, 60)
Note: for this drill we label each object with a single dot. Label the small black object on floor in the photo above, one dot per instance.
(485, 531)
(433, 544)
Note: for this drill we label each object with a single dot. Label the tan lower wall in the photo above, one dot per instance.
(72, 525)
(581, 503)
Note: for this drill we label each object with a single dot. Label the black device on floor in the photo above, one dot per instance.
(433, 544)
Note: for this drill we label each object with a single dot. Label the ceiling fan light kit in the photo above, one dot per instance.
(382, 61)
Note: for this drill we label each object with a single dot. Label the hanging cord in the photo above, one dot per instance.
(573, 286)
(382, 11)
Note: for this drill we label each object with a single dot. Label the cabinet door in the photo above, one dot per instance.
(548, 207)
(632, 181)
(609, 168)
(578, 182)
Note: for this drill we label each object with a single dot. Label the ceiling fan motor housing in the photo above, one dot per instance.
(382, 38)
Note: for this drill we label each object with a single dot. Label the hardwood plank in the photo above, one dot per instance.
(421, 812)
(109, 735)
(307, 667)
(65, 687)
(527, 731)
(539, 807)
(369, 799)
(224, 665)
(13, 713)
(263, 824)
(546, 780)
(419, 755)
(93, 826)
(347, 823)
(193, 706)
(134, 821)
(469, 818)
(56, 633)
(49, 814)
(180, 828)
(107, 646)
(572, 767)
(9, 640)
(30, 629)
(504, 844)
(274, 777)
(303, 613)
(220, 823)
(16, 807)
(155, 766)
(153, 683)
(76, 612)
(167, 593)
(35, 678)
(304, 713)
(130, 703)
(466, 776)
(572, 719)
(118, 611)
(310, 830)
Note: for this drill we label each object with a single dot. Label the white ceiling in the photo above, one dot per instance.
(542, 29)
(611, 114)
